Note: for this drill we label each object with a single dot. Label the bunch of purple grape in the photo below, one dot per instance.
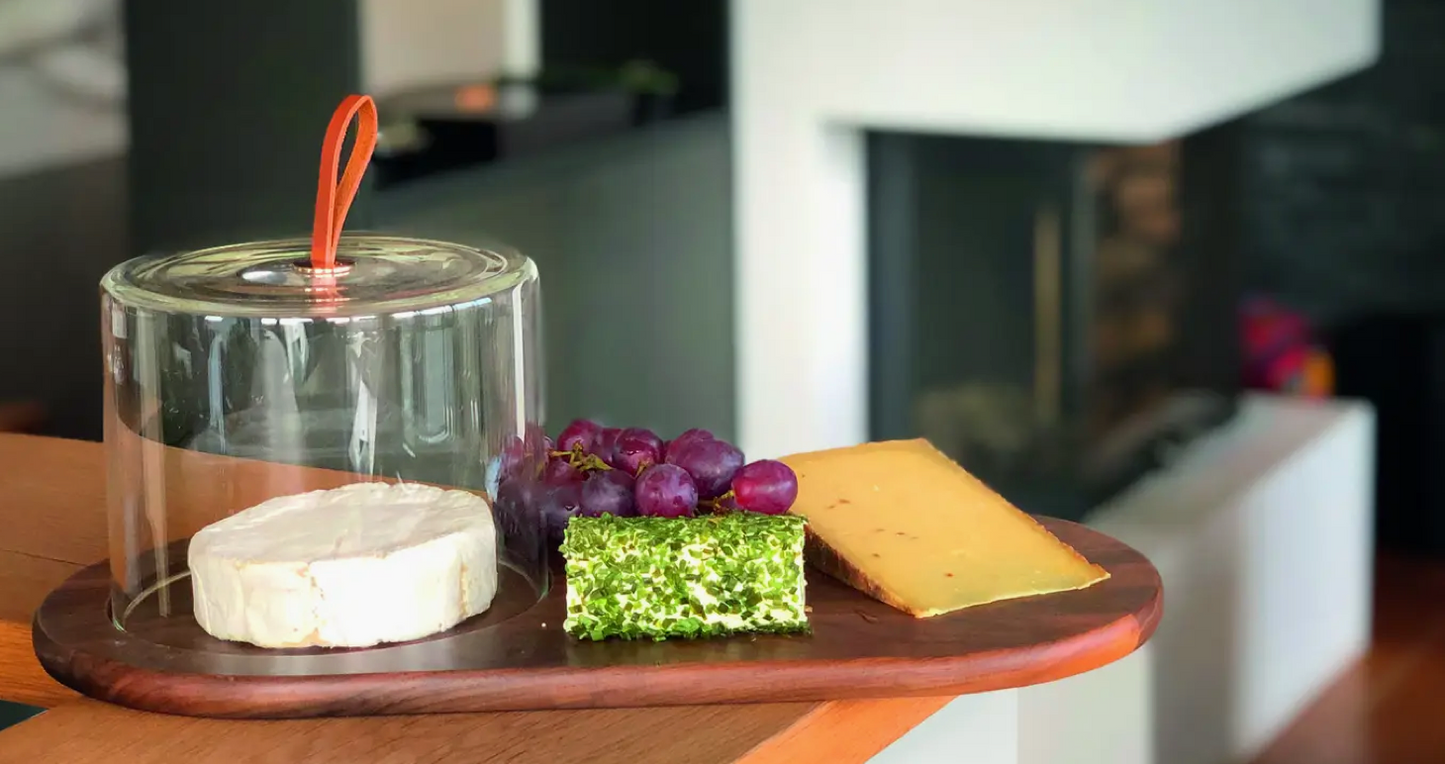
(593, 470)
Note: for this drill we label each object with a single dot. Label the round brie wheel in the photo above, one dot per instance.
(354, 566)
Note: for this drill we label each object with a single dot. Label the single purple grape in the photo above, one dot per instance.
(518, 504)
(637, 449)
(665, 490)
(604, 446)
(558, 505)
(514, 459)
(579, 435)
(607, 493)
(687, 437)
(559, 471)
(765, 486)
(712, 464)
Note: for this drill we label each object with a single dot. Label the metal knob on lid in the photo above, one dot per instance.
(241, 373)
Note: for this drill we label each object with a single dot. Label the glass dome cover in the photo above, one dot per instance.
(253, 373)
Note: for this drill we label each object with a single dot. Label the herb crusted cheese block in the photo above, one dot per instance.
(684, 577)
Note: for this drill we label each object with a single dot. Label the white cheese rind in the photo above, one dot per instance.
(354, 566)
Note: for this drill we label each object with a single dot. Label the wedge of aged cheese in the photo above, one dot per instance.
(901, 522)
(350, 567)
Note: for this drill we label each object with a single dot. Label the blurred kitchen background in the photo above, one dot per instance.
(1061, 308)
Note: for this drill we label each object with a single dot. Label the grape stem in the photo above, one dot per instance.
(582, 460)
(717, 505)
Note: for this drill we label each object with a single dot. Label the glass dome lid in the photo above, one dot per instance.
(342, 404)
(371, 275)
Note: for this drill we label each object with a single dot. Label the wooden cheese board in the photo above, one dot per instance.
(518, 658)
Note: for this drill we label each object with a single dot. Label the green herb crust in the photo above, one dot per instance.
(684, 577)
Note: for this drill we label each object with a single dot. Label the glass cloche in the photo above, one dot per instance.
(321, 445)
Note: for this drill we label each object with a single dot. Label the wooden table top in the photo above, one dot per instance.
(52, 506)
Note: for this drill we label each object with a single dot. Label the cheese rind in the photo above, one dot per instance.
(903, 523)
(355, 566)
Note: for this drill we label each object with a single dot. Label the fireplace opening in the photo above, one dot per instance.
(1058, 317)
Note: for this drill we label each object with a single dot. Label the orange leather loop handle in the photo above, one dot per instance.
(333, 197)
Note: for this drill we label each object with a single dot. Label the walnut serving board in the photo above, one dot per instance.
(518, 658)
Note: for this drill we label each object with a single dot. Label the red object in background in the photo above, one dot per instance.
(1281, 352)
(21, 416)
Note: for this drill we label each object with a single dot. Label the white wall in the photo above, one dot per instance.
(406, 43)
(1262, 534)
